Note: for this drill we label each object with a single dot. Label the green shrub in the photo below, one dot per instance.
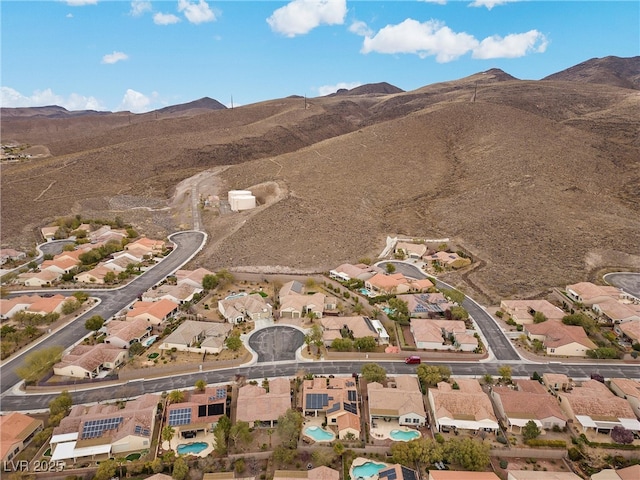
(537, 442)
(504, 464)
(574, 454)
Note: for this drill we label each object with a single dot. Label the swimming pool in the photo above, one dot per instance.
(319, 434)
(368, 469)
(365, 292)
(404, 435)
(388, 311)
(191, 448)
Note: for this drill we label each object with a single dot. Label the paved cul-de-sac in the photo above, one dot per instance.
(276, 343)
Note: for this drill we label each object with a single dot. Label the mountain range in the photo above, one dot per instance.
(537, 180)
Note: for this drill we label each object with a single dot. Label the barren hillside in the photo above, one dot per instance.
(538, 180)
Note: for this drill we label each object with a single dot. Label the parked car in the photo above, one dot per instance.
(413, 359)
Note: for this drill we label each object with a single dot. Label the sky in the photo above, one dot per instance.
(143, 55)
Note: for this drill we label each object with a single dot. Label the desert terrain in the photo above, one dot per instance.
(539, 181)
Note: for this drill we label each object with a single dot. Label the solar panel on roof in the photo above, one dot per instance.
(95, 428)
(351, 407)
(334, 408)
(180, 416)
(350, 384)
(317, 401)
(352, 395)
(221, 393)
(408, 474)
(389, 474)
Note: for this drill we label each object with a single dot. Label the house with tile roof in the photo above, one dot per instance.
(465, 408)
(398, 472)
(180, 294)
(360, 271)
(401, 401)
(629, 473)
(197, 337)
(411, 250)
(593, 406)
(16, 431)
(317, 473)
(615, 311)
(588, 293)
(150, 245)
(49, 233)
(352, 327)
(426, 305)
(123, 333)
(295, 302)
(560, 339)
(89, 361)
(154, 312)
(629, 330)
(102, 431)
(59, 265)
(46, 305)
(192, 277)
(459, 475)
(200, 411)
(530, 401)
(244, 308)
(383, 283)
(447, 260)
(259, 407)
(443, 335)
(556, 381)
(334, 398)
(38, 279)
(541, 475)
(10, 306)
(10, 254)
(628, 389)
(94, 276)
(522, 311)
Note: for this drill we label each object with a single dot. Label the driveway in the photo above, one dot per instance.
(277, 343)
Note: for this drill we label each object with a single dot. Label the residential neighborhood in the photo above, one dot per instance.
(322, 426)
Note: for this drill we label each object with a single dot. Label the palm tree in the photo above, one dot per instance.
(201, 385)
(176, 396)
(167, 433)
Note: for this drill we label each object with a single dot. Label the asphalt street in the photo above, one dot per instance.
(499, 344)
(32, 402)
(111, 301)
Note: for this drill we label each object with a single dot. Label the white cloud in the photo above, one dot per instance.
(139, 7)
(329, 89)
(360, 28)
(136, 102)
(114, 57)
(423, 39)
(165, 19)
(81, 3)
(196, 12)
(40, 98)
(489, 3)
(511, 46)
(301, 16)
(439, 2)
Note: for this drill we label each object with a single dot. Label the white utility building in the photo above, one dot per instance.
(241, 200)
